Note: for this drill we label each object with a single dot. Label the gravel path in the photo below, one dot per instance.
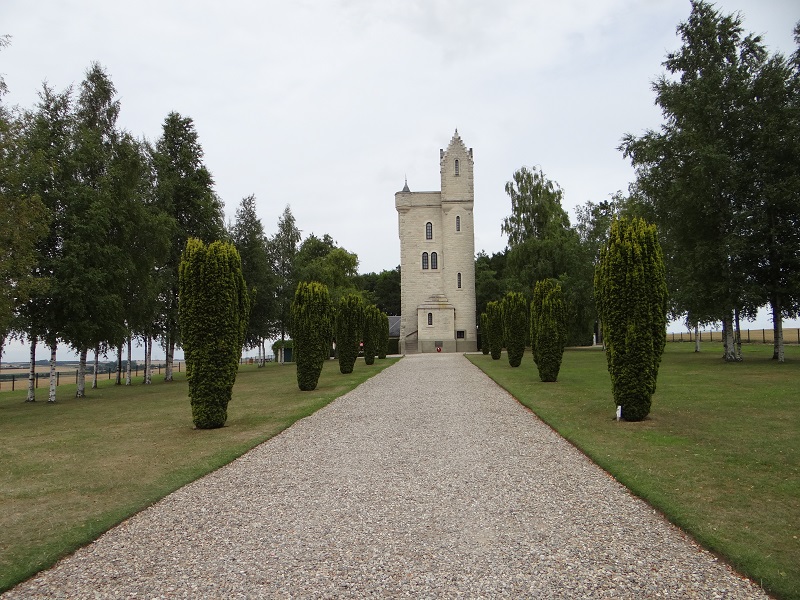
(426, 481)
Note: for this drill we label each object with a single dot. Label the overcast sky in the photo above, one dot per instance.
(328, 106)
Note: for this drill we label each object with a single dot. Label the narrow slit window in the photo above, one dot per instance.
(430, 318)
(458, 223)
(459, 280)
(434, 260)
(428, 230)
(457, 170)
(424, 260)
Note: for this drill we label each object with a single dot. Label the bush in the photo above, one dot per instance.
(484, 324)
(548, 329)
(515, 326)
(311, 332)
(494, 317)
(631, 294)
(372, 332)
(214, 308)
(349, 325)
(383, 340)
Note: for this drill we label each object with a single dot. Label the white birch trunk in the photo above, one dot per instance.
(148, 367)
(80, 392)
(729, 354)
(119, 366)
(128, 366)
(32, 373)
(96, 365)
(51, 396)
(697, 337)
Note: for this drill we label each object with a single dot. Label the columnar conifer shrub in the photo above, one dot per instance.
(311, 324)
(515, 326)
(383, 342)
(214, 308)
(484, 333)
(349, 325)
(494, 317)
(372, 332)
(631, 292)
(548, 329)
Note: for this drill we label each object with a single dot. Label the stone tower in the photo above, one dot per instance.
(437, 259)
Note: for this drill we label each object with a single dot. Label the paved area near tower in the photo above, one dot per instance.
(426, 481)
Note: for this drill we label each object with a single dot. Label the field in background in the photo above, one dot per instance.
(718, 455)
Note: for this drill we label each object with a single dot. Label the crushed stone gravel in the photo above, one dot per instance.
(427, 481)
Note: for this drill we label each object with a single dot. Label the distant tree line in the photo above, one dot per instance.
(720, 179)
(93, 223)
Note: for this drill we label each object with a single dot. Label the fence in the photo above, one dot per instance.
(19, 379)
(791, 335)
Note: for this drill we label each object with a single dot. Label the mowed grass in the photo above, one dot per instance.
(719, 454)
(71, 470)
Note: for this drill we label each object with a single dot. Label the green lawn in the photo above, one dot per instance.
(719, 454)
(71, 470)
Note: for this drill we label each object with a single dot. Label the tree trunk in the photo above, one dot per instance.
(169, 359)
(96, 366)
(51, 397)
(119, 366)
(738, 334)
(697, 337)
(729, 347)
(148, 375)
(128, 366)
(80, 392)
(32, 373)
(777, 329)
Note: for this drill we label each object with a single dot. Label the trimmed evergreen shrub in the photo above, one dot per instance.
(484, 323)
(494, 317)
(631, 295)
(311, 331)
(383, 341)
(349, 325)
(372, 332)
(548, 330)
(214, 308)
(515, 326)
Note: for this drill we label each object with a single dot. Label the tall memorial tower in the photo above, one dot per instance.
(437, 259)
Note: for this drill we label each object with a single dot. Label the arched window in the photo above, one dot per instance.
(459, 281)
(456, 167)
(458, 223)
(434, 260)
(430, 318)
(425, 260)
(428, 230)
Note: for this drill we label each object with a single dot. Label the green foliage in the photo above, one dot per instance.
(515, 326)
(214, 311)
(383, 340)
(373, 328)
(494, 317)
(631, 293)
(282, 250)
(248, 236)
(548, 328)
(311, 325)
(382, 289)
(484, 328)
(349, 326)
(321, 260)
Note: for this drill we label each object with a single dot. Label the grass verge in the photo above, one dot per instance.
(719, 454)
(71, 470)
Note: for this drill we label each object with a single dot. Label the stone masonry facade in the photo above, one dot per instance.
(437, 259)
